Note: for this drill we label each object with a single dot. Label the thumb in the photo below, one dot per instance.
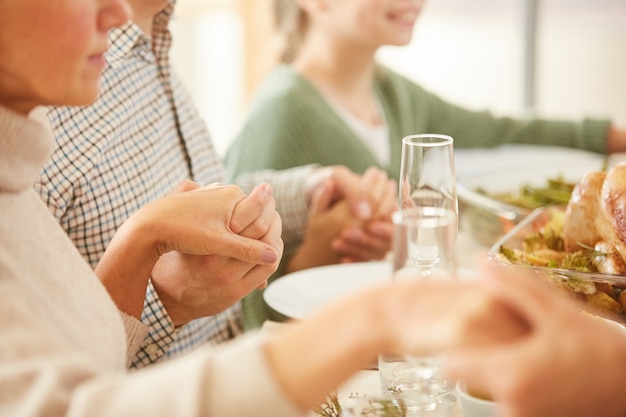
(349, 186)
(247, 250)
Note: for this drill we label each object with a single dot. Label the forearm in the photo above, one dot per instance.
(343, 338)
(615, 140)
(126, 265)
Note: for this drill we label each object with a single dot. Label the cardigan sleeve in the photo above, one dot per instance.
(136, 332)
(233, 380)
(418, 110)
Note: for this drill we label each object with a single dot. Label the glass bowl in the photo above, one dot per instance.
(486, 218)
(601, 292)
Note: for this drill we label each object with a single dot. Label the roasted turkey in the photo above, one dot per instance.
(596, 217)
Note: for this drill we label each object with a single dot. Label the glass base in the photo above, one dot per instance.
(418, 382)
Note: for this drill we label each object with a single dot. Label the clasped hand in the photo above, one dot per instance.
(207, 247)
(196, 283)
(349, 219)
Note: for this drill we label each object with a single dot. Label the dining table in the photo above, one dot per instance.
(470, 252)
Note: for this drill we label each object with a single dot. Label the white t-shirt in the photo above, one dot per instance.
(376, 138)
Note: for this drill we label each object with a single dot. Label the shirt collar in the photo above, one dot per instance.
(125, 38)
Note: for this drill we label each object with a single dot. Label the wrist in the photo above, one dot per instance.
(345, 337)
(126, 265)
(317, 177)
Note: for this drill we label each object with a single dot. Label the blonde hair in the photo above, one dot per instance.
(291, 23)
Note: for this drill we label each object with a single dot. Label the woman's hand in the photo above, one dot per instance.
(325, 220)
(193, 286)
(196, 222)
(404, 317)
(369, 239)
(569, 364)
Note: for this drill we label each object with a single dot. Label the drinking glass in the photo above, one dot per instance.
(427, 176)
(425, 230)
(418, 380)
(373, 406)
(427, 182)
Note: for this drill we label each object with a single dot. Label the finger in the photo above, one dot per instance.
(374, 184)
(260, 274)
(348, 186)
(256, 207)
(244, 249)
(481, 368)
(358, 243)
(524, 293)
(380, 229)
(389, 201)
(322, 198)
(185, 186)
(257, 278)
(262, 224)
(273, 236)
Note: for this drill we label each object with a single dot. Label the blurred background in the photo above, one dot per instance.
(555, 58)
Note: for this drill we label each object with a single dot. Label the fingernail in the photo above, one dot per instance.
(364, 209)
(266, 189)
(268, 256)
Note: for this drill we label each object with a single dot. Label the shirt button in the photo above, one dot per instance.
(152, 349)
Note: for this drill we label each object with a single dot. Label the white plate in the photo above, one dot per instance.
(518, 160)
(301, 293)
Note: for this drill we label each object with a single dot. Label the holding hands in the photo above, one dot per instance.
(569, 363)
(349, 219)
(204, 247)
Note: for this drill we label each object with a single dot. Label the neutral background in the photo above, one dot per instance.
(468, 51)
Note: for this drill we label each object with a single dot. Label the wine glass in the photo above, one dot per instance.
(418, 380)
(425, 230)
(428, 183)
(427, 177)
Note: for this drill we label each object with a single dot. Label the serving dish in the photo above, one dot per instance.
(601, 292)
(489, 218)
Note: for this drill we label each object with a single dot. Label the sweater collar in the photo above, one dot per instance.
(26, 143)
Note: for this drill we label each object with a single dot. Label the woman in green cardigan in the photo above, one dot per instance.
(330, 102)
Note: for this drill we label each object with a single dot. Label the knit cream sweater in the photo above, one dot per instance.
(63, 343)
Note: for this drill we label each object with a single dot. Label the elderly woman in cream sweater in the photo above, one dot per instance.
(66, 338)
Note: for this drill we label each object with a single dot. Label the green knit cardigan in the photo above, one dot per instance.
(290, 124)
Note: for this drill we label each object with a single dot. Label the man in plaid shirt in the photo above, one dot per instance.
(139, 142)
